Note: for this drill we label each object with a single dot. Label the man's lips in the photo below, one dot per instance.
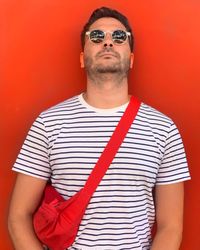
(106, 54)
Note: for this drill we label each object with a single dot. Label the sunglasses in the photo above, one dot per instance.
(98, 36)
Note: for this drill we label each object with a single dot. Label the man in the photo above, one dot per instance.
(65, 142)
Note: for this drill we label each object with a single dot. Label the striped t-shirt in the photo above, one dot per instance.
(65, 142)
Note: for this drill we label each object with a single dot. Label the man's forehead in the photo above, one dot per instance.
(107, 23)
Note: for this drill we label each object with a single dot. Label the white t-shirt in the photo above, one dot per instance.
(65, 142)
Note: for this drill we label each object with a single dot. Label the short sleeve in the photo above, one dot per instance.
(33, 158)
(173, 167)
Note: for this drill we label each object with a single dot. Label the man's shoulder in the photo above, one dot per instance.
(63, 107)
(152, 114)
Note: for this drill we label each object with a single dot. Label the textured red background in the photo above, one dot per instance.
(39, 67)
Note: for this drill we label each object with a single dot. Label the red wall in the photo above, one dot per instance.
(39, 67)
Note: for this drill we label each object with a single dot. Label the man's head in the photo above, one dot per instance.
(107, 12)
(107, 45)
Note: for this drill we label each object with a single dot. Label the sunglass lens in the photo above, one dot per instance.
(119, 36)
(97, 36)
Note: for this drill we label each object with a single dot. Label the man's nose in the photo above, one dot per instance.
(108, 45)
(108, 42)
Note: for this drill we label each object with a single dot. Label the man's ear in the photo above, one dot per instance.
(82, 60)
(131, 60)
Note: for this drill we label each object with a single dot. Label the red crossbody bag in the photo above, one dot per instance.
(56, 222)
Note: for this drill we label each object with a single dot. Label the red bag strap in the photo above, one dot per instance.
(111, 148)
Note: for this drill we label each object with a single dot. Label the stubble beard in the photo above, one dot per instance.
(115, 70)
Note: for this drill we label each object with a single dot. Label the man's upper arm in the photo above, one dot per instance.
(169, 205)
(26, 195)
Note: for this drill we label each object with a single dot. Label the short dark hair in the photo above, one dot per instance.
(107, 12)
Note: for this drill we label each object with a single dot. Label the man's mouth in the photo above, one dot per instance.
(106, 54)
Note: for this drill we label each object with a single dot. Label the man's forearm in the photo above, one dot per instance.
(22, 233)
(167, 239)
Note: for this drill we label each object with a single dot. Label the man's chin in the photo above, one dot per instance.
(107, 70)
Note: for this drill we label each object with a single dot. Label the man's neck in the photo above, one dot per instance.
(107, 94)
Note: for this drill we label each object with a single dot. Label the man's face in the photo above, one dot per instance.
(106, 57)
